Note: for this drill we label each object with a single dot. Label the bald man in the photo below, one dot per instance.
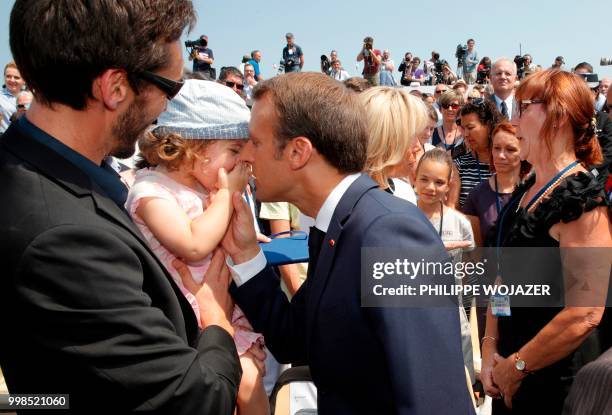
(503, 79)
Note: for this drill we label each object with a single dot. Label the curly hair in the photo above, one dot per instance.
(169, 150)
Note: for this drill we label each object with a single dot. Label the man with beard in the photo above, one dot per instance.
(86, 308)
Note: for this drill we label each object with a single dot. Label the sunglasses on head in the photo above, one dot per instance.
(454, 107)
(234, 84)
(167, 86)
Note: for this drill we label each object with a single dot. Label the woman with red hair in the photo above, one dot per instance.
(531, 353)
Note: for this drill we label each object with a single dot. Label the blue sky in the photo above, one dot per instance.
(577, 30)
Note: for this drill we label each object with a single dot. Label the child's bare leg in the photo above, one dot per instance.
(252, 398)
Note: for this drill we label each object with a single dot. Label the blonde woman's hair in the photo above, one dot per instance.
(395, 119)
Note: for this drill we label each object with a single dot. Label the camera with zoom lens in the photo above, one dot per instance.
(325, 65)
(438, 70)
(196, 43)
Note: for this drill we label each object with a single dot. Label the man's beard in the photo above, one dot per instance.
(128, 129)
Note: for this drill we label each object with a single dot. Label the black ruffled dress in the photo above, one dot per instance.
(544, 391)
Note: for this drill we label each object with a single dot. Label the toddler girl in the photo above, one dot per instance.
(181, 198)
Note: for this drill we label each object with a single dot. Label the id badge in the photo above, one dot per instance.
(500, 305)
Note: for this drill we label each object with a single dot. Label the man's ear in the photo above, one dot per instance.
(111, 88)
(299, 151)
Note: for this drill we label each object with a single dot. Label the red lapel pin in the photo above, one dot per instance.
(332, 243)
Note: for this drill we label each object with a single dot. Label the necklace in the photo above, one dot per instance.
(546, 189)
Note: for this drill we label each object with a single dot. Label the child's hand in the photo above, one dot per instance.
(222, 179)
(237, 178)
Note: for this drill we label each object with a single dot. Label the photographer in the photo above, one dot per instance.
(327, 62)
(412, 73)
(483, 71)
(337, 72)
(202, 56)
(405, 67)
(293, 58)
(371, 61)
(447, 76)
(470, 61)
(527, 67)
(429, 68)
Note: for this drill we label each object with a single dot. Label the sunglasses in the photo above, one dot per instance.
(454, 107)
(234, 84)
(525, 103)
(167, 86)
(440, 91)
(23, 106)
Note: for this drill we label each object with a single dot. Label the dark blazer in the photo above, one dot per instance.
(86, 308)
(492, 100)
(363, 360)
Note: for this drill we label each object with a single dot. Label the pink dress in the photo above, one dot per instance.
(154, 183)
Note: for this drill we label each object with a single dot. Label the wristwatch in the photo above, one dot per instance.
(520, 365)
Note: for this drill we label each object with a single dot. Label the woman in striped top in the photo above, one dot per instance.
(478, 121)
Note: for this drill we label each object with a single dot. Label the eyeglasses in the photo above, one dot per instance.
(454, 107)
(167, 86)
(524, 103)
(234, 84)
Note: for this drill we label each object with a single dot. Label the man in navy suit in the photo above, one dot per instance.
(307, 146)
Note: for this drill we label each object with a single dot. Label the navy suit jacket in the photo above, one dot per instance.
(363, 360)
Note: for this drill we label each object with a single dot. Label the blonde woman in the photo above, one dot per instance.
(395, 119)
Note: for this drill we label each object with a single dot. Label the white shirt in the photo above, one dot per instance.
(509, 104)
(404, 190)
(241, 273)
(341, 75)
(8, 106)
(600, 102)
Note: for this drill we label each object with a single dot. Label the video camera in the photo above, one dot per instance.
(461, 53)
(201, 42)
(195, 45)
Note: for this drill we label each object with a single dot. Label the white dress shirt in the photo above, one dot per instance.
(241, 273)
(509, 104)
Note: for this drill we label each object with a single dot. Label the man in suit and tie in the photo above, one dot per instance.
(85, 306)
(503, 79)
(307, 146)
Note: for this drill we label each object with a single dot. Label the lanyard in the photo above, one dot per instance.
(478, 167)
(550, 183)
(497, 198)
(441, 219)
(443, 140)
